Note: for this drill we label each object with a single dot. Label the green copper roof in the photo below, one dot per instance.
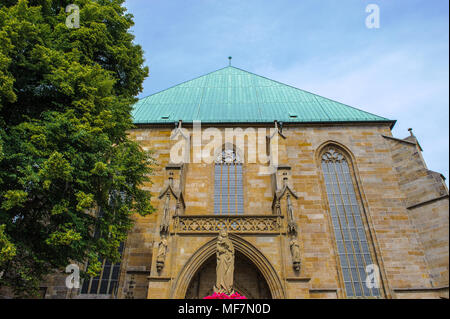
(232, 95)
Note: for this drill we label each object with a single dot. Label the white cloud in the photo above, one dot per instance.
(410, 87)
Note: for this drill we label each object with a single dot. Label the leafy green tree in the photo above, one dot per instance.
(70, 178)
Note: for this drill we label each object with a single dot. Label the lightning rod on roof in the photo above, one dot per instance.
(229, 60)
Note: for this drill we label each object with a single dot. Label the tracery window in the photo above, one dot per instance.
(228, 188)
(349, 231)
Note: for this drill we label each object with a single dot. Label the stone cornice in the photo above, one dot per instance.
(429, 201)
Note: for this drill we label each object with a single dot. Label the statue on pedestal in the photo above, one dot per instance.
(295, 252)
(225, 264)
(162, 250)
(164, 227)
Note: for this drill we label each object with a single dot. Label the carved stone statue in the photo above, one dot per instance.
(292, 226)
(164, 227)
(162, 250)
(225, 264)
(278, 207)
(295, 252)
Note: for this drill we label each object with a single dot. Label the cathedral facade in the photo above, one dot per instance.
(318, 199)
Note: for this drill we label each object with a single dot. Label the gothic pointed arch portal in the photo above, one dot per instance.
(248, 258)
(248, 280)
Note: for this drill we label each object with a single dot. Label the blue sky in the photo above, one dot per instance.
(399, 71)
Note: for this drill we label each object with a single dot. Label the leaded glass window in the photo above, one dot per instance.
(350, 235)
(106, 282)
(228, 188)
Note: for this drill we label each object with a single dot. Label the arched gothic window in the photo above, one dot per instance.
(228, 189)
(350, 235)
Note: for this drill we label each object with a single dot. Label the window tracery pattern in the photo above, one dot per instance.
(350, 235)
(228, 187)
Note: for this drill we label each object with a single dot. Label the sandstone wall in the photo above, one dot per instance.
(427, 204)
(407, 235)
(398, 243)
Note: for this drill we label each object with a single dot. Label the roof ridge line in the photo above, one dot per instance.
(321, 106)
(171, 87)
(201, 100)
(257, 98)
(261, 76)
(189, 98)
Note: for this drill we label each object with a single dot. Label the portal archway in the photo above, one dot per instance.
(247, 254)
(248, 280)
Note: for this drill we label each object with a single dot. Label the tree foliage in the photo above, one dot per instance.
(69, 175)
